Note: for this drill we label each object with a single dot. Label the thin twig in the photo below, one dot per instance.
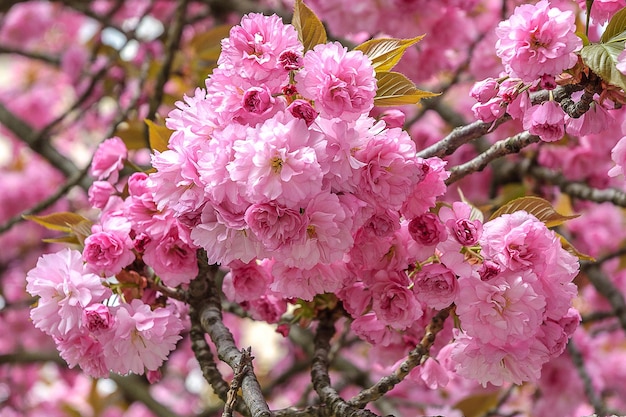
(499, 149)
(386, 383)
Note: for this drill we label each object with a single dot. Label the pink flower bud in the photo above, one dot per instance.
(302, 109)
(257, 100)
(97, 317)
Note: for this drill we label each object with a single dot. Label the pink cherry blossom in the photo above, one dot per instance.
(278, 162)
(254, 47)
(246, 282)
(142, 338)
(84, 350)
(394, 303)
(391, 171)
(107, 252)
(100, 192)
(328, 234)
(427, 229)
(109, 159)
(341, 83)
(501, 311)
(536, 40)
(307, 283)
(276, 226)
(428, 189)
(546, 120)
(435, 286)
(64, 289)
(618, 155)
(173, 260)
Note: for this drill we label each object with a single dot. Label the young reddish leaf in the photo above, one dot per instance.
(310, 29)
(63, 221)
(385, 53)
(538, 207)
(159, 136)
(394, 89)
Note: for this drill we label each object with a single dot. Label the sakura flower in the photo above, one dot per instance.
(394, 303)
(618, 155)
(274, 225)
(428, 189)
(106, 252)
(435, 286)
(142, 338)
(427, 229)
(328, 234)
(173, 260)
(246, 282)
(64, 289)
(341, 83)
(254, 48)
(109, 159)
(501, 311)
(278, 162)
(391, 171)
(537, 39)
(307, 283)
(485, 90)
(83, 349)
(458, 220)
(546, 120)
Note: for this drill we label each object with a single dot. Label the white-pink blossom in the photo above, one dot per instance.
(142, 338)
(64, 289)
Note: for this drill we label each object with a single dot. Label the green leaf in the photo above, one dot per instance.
(310, 29)
(616, 26)
(385, 53)
(602, 59)
(62, 221)
(538, 207)
(394, 89)
(159, 136)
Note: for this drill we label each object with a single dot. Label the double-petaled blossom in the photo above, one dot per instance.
(536, 40)
(340, 82)
(64, 288)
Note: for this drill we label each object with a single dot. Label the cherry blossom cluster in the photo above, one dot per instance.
(280, 174)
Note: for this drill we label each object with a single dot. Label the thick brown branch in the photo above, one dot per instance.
(206, 303)
(335, 405)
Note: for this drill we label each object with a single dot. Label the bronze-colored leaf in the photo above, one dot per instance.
(572, 250)
(386, 52)
(310, 29)
(159, 136)
(62, 221)
(394, 89)
(538, 207)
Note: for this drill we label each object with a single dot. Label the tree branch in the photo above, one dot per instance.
(206, 304)
(319, 372)
(499, 149)
(460, 136)
(25, 132)
(414, 359)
